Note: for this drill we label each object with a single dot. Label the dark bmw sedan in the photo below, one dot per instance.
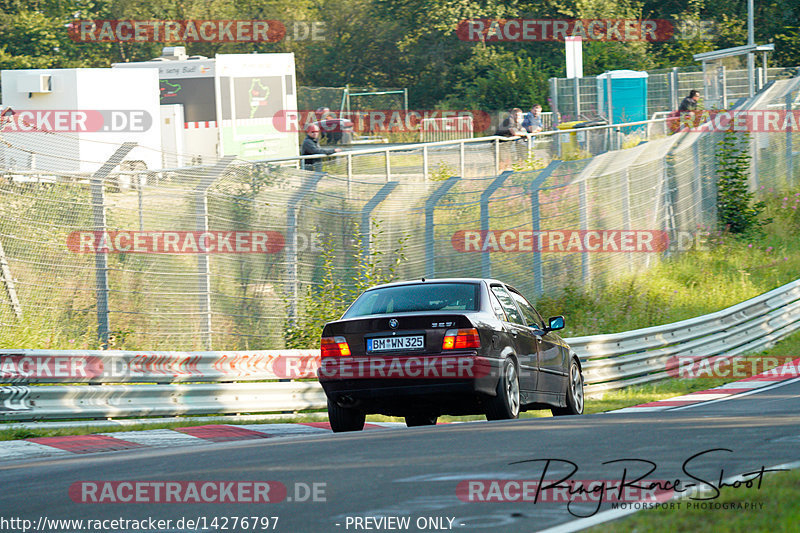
(421, 349)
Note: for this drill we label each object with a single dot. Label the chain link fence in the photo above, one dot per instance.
(72, 265)
(575, 98)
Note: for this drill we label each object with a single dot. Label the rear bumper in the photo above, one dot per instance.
(454, 392)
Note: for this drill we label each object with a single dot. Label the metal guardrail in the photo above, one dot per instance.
(649, 354)
(195, 383)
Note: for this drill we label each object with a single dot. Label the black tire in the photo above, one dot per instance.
(345, 418)
(574, 393)
(421, 420)
(505, 406)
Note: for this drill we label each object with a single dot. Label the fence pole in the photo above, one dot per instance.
(8, 281)
(673, 88)
(724, 75)
(366, 229)
(430, 205)
(203, 259)
(291, 240)
(697, 184)
(101, 255)
(141, 202)
(497, 156)
(554, 101)
(349, 174)
(461, 158)
(388, 167)
(425, 163)
(626, 209)
(577, 89)
(583, 212)
(536, 224)
(789, 145)
(486, 260)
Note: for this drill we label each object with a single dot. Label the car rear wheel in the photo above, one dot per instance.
(345, 418)
(505, 405)
(574, 393)
(421, 420)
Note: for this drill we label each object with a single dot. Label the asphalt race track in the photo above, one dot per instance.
(371, 480)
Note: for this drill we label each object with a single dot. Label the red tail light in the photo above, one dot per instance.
(457, 339)
(334, 347)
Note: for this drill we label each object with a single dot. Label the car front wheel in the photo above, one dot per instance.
(574, 393)
(345, 418)
(505, 405)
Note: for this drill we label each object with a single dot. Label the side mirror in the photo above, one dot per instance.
(555, 322)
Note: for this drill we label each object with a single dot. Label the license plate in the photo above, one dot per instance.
(385, 344)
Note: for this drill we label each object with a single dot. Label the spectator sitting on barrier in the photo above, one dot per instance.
(512, 125)
(533, 120)
(311, 147)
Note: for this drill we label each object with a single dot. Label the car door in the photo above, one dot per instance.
(524, 342)
(550, 354)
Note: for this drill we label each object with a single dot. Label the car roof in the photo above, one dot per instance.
(423, 281)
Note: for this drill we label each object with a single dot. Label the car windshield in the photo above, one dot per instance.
(421, 297)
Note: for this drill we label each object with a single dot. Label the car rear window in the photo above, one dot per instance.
(422, 297)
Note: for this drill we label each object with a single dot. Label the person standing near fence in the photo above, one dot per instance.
(311, 147)
(512, 125)
(533, 120)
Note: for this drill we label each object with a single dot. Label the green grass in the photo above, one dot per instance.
(778, 511)
(731, 270)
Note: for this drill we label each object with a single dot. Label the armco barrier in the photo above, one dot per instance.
(102, 384)
(645, 355)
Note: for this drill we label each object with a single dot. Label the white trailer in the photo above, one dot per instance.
(228, 104)
(74, 119)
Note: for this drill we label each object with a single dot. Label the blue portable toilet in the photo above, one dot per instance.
(628, 89)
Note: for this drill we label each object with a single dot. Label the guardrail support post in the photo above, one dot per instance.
(291, 239)
(536, 219)
(430, 205)
(486, 260)
(101, 256)
(366, 229)
(203, 260)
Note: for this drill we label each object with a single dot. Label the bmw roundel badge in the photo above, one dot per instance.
(393, 323)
